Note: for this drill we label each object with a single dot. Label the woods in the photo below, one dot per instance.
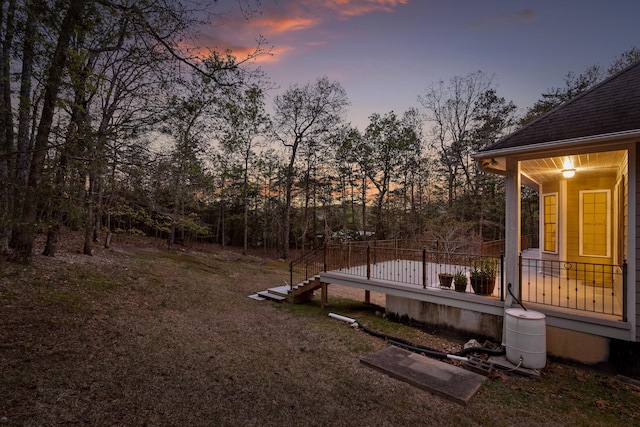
(112, 122)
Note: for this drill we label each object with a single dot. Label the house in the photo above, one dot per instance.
(582, 161)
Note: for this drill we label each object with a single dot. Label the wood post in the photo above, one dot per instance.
(324, 296)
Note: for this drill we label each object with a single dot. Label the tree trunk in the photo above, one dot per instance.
(25, 235)
(286, 220)
(221, 220)
(305, 210)
(6, 127)
(171, 238)
(97, 223)
(24, 117)
(380, 229)
(90, 206)
(364, 208)
(107, 239)
(57, 211)
(52, 238)
(75, 127)
(245, 196)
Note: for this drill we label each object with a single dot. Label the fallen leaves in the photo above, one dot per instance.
(600, 403)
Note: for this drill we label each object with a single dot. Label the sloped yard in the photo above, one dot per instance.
(136, 335)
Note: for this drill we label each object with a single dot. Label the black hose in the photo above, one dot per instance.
(483, 350)
(408, 345)
(400, 342)
(418, 349)
(514, 297)
(385, 336)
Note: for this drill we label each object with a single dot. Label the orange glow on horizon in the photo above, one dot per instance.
(241, 53)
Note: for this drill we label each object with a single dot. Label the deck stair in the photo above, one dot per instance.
(299, 293)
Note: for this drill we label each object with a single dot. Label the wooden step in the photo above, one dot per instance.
(271, 296)
(283, 291)
(301, 292)
(257, 297)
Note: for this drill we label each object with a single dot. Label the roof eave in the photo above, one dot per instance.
(596, 141)
(525, 179)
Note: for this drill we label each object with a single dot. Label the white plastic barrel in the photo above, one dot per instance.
(526, 338)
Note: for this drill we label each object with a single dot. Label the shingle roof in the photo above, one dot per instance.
(609, 107)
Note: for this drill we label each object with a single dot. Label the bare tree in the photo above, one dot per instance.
(303, 115)
(244, 123)
(100, 32)
(450, 108)
(350, 175)
(380, 153)
(189, 120)
(554, 97)
(625, 59)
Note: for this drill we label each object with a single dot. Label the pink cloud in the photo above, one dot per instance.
(285, 24)
(350, 8)
(238, 34)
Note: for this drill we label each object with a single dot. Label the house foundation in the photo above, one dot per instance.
(584, 348)
(473, 322)
(564, 343)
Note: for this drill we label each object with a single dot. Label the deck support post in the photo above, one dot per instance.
(324, 296)
(367, 297)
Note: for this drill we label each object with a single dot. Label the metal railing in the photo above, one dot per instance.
(448, 246)
(496, 247)
(417, 267)
(597, 288)
(584, 287)
(306, 266)
(388, 261)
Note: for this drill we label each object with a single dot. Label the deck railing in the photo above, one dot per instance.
(449, 246)
(418, 267)
(584, 287)
(306, 266)
(597, 288)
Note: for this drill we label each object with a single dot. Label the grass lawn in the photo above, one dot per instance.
(136, 335)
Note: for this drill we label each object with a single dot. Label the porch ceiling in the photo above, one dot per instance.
(549, 169)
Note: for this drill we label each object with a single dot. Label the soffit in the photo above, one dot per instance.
(544, 170)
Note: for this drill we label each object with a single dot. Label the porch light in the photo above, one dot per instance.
(568, 170)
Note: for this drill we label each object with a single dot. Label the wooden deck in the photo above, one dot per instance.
(584, 311)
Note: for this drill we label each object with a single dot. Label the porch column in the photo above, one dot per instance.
(512, 230)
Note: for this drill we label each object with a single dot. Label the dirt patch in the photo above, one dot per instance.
(355, 294)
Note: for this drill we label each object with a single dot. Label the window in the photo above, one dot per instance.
(594, 223)
(550, 231)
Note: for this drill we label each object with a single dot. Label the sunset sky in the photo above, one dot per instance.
(386, 52)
